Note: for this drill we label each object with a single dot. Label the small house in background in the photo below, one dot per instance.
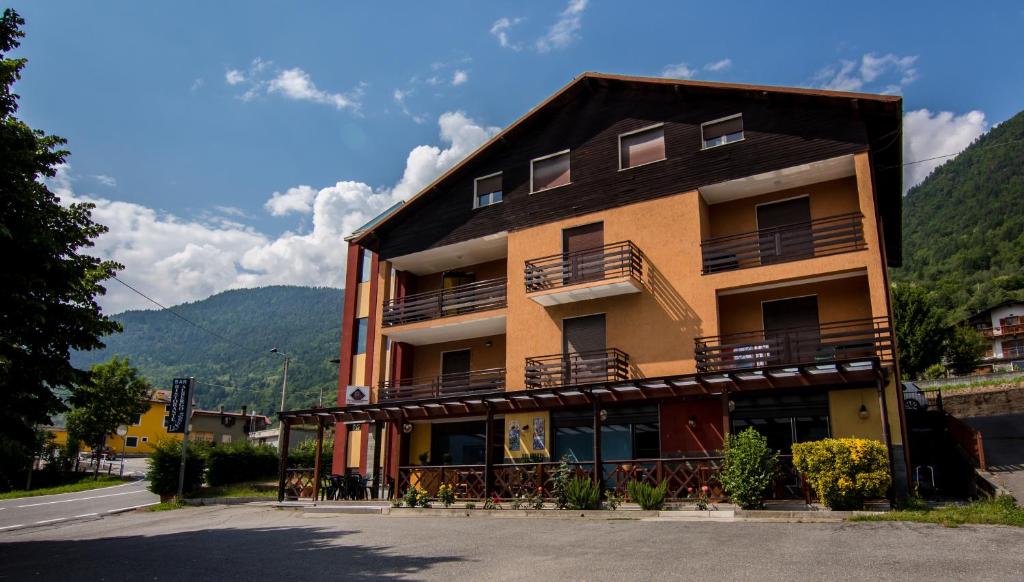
(1002, 326)
(270, 436)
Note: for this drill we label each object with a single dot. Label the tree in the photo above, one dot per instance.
(114, 394)
(48, 286)
(921, 332)
(965, 349)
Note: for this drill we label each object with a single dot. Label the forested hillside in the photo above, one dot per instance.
(305, 322)
(963, 227)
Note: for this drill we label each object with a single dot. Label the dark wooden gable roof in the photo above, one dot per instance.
(783, 127)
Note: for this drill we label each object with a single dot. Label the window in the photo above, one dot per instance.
(487, 190)
(722, 131)
(549, 172)
(361, 335)
(365, 262)
(131, 442)
(225, 438)
(642, 146)
(145, 439)
(137, 421)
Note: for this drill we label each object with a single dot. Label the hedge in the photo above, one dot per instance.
(165, 463)
(844, 471)
(240, 462)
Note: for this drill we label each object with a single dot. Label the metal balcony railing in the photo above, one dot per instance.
(825, 343)
(803, 240)
(575, 368)
(468, 298)
(599, 263)
(444, 385)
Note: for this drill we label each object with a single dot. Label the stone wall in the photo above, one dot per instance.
(984, 401)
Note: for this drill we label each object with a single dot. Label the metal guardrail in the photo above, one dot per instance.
(492, 379)
(468, 298)
(803, 240)
(575, 368)
(825, 343)
(597, 264)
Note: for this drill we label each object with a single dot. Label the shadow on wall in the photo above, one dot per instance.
(215, 554)
(687, 323)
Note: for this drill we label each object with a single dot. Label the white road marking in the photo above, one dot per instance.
(81, 499)
(72, 492)
(85, 515)
(123, 509)
(12, 526)
(50, 520)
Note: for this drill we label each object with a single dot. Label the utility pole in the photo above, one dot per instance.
(281, 441)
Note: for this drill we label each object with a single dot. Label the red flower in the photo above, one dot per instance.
(704, 488)
(690, 489)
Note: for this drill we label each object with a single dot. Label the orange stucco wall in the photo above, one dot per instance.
(826, 199)
(483, 271)
(427, 359)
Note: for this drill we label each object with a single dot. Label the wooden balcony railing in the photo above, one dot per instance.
(1002, 331)
(444, 385)
(826, 343)
(597, 264)
(803, 240)
(468, 298)
(607, 365)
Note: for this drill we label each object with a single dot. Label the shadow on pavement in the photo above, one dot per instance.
(297, 553)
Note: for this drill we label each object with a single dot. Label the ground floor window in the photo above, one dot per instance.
(627, 433)
(131, 442)
(458, 443)
(783, 419)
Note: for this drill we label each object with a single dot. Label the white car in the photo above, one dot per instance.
(913, 397)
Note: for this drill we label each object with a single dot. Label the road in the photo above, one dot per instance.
(1003, 436)
(261, 543)
(49, 510)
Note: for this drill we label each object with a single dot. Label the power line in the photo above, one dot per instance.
(984, 147)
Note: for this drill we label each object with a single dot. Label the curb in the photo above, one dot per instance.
(201, 501)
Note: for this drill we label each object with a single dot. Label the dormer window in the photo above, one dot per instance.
(722, 131)
(487, 190)
(549, 172)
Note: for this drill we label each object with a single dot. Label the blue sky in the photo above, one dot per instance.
(233, 144)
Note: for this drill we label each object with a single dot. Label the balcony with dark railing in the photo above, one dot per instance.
(490, 380)
(439, 303)
(608, 365)
(821, 237)
(612, 269)
(823, 344)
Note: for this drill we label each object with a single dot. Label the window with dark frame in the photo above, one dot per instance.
(641, 147)
(550, 172)
(365, 263)
(361, 331)
(722, 131)
(487, 190)
(131, 442)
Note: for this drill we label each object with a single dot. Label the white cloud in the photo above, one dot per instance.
(459, 77)
(177, 259)
(718, 65)
(400, 97)
(293, 83)
(565, 30)
(298, 199)
(927, 135)
(888, 73)
(197, 84)
(678, 71)
(500, 30)
(109, 181)
(234, 77)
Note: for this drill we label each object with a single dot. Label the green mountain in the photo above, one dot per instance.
(963, 226)
(304, 322)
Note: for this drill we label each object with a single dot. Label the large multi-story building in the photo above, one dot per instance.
(630, 271)
(1002, 326)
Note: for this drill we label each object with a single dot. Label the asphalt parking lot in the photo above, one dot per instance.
(246, 542)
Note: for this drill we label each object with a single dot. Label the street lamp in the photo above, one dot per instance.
(122, 431)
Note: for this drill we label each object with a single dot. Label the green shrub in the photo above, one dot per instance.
(416, 497)
(748, 468)
(165, 462)
(240, 462)
(560, 483)
(582, 493)
(648, 497)
(446, 494)
(304, 456)
(845, 471)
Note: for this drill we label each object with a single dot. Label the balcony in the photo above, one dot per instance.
(609, 365)
(491, 380)
(1001, 331)
(613, 269)
(450, 314)
(821, 237)
(825, 344)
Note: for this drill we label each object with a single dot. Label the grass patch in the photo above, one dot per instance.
(234, 490)
(1000, 511)
(968, 384)
(83, 485)
(166, 506)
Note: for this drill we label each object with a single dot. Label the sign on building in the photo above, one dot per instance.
(357, 395)
(177, 416)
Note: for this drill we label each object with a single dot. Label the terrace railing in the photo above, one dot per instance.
(444, 385)
(803, 240)
(468, 298)
(575, 368)
(597, 264)
(825, 343)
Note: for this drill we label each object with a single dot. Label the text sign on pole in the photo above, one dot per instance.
(181, 392)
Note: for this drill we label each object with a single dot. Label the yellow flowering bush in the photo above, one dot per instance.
(416, 497)
(844, 471)
(446, 494)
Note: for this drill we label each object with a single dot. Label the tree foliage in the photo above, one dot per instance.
(748, 469)
(48, 285)
(965, 349)
(921, 330)
(113, 395)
